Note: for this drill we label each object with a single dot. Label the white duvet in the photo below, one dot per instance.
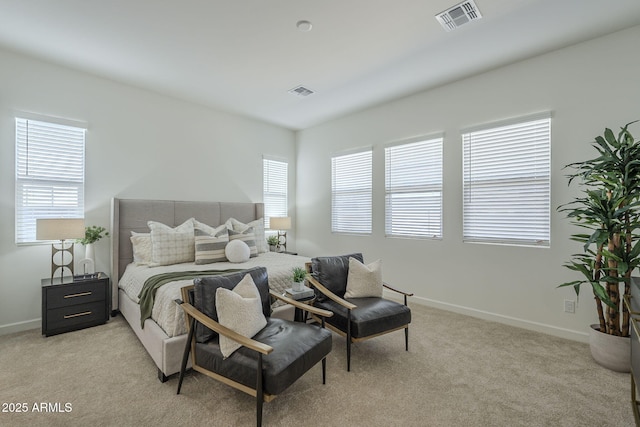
(166, 312)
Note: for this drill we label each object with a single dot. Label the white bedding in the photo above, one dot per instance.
(165, 311)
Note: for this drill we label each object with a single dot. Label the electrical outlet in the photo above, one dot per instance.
(569, 306)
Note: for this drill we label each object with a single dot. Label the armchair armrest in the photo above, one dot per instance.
(306, 307)
(388, 286)
(223, 330)
(346, 304)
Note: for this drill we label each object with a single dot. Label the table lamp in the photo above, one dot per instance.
(281, 223)
(60, 229)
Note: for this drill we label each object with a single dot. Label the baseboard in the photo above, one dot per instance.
(507, 320)
(20, 326)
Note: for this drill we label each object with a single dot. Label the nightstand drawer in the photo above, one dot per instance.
(82, 314)
(72, 294)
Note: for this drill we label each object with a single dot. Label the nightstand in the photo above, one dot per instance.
(68, 304)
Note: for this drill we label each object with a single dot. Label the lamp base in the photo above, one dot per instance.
(55, 266)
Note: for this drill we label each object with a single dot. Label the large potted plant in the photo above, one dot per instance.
(609, 212)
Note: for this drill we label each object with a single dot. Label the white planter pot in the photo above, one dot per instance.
(89, 252)
(297, 286)
(610, 351)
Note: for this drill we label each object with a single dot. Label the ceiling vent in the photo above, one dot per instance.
(301, 91)
(458, 15)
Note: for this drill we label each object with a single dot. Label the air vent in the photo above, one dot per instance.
(301, 91)
(458, 15)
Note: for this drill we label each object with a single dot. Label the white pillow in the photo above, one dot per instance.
(240, 310)
(172, 245)
(237, 251)
(141, 244)
(210, 243)
(258, 230)
(364, 280)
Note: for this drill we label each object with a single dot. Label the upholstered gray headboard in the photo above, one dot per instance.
(129, 215)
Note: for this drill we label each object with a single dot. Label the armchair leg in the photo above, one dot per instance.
(259, 392)
(324, 370)
(348, 340)
(185, 355)
(406, 338)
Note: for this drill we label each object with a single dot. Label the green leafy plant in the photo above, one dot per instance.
(609, 211)
(299, 274)
(92, 234)
(272, 240)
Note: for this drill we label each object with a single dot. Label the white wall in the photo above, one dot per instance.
(139, 145)
(588, 87)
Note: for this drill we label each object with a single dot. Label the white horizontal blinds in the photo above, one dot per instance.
(507, 183)
(49, 174)
(351, 193)
(413, 183)
(274, 189)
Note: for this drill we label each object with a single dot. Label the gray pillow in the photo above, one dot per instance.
(332, 272)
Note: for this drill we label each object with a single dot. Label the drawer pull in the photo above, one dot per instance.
(71, 316)
(81, 294)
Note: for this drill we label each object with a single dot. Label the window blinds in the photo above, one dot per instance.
(506, 188)
(351, 193)
(275, 183)
(49, 174)
(413, 189)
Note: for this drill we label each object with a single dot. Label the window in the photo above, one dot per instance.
(413, 189)
(351, 188)
(49, 174)
(506, 174)
(274, 189)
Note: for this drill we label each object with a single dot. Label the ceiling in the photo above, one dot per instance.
(243, 56)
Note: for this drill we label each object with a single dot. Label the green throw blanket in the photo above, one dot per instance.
(148, 293)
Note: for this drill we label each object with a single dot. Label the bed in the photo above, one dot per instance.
(163, 334)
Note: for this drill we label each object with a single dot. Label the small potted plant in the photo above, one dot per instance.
(299, 275)
(272, 241)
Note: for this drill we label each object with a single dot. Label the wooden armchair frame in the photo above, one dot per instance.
(350, 306)
(193, 315)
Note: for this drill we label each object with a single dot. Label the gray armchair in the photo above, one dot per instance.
(267, 363)
(356, 319)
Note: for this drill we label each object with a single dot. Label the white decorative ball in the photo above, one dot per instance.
(237, 251)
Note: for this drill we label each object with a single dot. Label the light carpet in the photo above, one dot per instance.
(459, 371)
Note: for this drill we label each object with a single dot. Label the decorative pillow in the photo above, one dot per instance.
(237, 251)
(241, 311)
(210, 243)
(141, 243)
(364, 280)
(246, 236)
(258, 230)
(172, 245)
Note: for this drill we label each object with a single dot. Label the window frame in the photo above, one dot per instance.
(272, 170)
(358, 219)
(418, 191)
(512, 169)
(53, 194)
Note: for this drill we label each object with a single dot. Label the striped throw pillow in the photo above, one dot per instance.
(210, 243)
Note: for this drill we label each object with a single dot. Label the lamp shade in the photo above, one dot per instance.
(280, 223)
(59, 228)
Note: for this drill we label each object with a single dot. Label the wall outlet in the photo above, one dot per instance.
(569, 306)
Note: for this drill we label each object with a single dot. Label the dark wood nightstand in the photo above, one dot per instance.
(68, 304)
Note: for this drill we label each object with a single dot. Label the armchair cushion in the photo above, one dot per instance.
(241, 311)
(204, 295)
(297, 348)
(373, 315)
(332, 272)
(364, 280)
